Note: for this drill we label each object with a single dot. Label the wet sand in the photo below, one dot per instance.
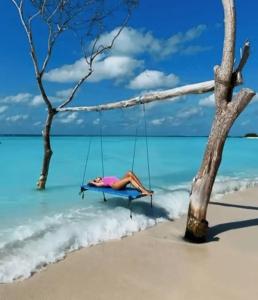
(158, 264)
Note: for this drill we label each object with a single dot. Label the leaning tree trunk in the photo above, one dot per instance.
(197, 225)
(228, 109)
(47, 151)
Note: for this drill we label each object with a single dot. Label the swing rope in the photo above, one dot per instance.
(101, 142)
(101, 148)
(147, 145)
(134, 147)
(85, 167)
(135, 138)
(86, 161)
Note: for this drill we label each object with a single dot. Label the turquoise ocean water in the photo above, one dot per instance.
(38, 228)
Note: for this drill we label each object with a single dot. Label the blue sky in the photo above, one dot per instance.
(166, 44)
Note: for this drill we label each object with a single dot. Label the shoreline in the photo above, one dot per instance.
(158, 264)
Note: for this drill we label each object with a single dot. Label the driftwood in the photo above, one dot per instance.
(228, 108)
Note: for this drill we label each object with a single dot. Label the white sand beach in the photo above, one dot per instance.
(159, 264)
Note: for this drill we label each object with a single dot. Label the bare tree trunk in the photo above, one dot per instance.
(228, 108)
(47, 150)
(197, 225)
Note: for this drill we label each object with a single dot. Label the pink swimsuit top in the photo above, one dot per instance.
(109, 180)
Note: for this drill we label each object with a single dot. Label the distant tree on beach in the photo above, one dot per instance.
(251, 134)
(87, 20)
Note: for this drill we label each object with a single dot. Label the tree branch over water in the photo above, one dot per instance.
(197, 88)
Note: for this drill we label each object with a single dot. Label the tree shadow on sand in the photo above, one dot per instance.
(220, 228)
(234, 205)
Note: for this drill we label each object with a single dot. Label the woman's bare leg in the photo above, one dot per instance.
(136, 179)
(131, 174)
(124, 181)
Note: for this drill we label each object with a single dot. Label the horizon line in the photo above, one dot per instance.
(109, 135)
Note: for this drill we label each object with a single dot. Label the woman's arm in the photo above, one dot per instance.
(96, 183)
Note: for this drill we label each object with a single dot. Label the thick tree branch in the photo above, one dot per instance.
(241, 100)
(229, 40)
(197, 88)
(223, 73)
(244, 57)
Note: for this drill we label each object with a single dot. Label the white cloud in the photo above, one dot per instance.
(176, 43)
(244, 123)
(180, 117)
(132, 42)
(111, 67)
(23, 98)
(153, 79)
(3, 108)
(194, 32)
(254, 99)
(189, 112)
(64, 93)
(37, 100)
(120, 62)
(19, 98)
(208, 101)
(33, 100)
(191, 50)
(96, 121)
(153, 104)
(158, 122)
(79, 121)
(37, 123)
(16, 118)
(68, 118)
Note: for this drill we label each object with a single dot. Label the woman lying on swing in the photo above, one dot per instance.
(119, 184)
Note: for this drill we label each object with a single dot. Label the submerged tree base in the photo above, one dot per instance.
(196, 230)
(41, 184)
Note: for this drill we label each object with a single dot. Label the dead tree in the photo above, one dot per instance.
(228, 108)
(86, 19)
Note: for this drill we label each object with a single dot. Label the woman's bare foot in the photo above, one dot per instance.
(147, 193)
